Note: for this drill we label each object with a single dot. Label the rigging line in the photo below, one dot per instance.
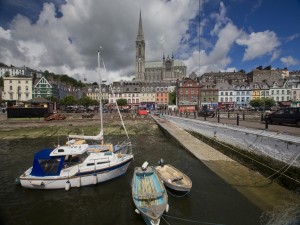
(119, 113)
(255, 160)
(192, 221)
(116, 103)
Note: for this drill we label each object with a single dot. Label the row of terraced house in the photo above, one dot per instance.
(214, 89)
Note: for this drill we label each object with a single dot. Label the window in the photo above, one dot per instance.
(49, 166)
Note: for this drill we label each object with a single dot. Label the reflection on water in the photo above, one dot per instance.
(210, 201)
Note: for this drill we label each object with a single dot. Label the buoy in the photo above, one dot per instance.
(167, 208)
(137, 211)
(17, 181)
(68, 185)
(95, 179)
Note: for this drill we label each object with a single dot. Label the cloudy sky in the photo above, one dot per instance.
(63, 36)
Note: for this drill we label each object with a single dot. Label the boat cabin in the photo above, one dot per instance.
(49, 162)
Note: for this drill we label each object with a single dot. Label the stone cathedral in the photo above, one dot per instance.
(169, 69)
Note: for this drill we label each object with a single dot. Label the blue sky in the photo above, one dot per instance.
(63, 37)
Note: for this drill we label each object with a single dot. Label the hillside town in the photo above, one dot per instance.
(215, 89)
(157, 84)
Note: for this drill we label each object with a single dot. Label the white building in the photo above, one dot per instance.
(19, 71)
(280, 91)
(18, 88)
(243, 94)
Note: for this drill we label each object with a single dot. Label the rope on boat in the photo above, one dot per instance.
(187, 220)
(178, 196)
(117, 105)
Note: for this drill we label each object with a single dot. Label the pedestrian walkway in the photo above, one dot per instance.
(259, 190)
(284, 129)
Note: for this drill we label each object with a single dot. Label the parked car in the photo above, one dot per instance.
(69, 109)
(207, 113)
(285, 116)
(142, 112)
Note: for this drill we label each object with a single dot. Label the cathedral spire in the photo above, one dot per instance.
(140, 34)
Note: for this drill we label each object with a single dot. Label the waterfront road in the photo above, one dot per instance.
(284, 129)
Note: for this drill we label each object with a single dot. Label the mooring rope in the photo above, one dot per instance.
(178, 196)
(276, 171)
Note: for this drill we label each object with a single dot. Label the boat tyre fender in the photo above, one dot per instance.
(167, 208)
(95, 179)
(137, 211)
(68, 186)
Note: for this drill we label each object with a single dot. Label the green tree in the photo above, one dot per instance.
(269, 102)
(172, 98)
(6, 74)
(105, 101)
(122, 102)
(255, 102)
(68, 100)
(263, 102)
(52, 98)
(86, 101)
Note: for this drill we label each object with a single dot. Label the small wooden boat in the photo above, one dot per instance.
(149, 194)
(173, 178)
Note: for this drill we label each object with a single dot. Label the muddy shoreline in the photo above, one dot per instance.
(73, 124)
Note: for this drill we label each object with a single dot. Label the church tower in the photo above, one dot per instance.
(140, 53)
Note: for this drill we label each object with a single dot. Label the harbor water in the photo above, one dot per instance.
(211, 200)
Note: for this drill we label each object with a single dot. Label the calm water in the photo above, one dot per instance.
(211, 201)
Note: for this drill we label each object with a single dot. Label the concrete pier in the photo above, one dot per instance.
(258, 189)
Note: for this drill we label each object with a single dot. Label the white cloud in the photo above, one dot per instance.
(293, 37)
(258, 44)
(275, 55)
(5, 34)
(220, 19)
(217, 59)
(69, 44)
(289, 61)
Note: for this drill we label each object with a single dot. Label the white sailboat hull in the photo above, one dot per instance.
(81, 179)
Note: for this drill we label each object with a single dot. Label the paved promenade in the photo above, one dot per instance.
(285, 129)
(251, 184)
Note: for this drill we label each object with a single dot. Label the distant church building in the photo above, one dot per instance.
(169, 69)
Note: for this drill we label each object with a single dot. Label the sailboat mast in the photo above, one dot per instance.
(100, 96)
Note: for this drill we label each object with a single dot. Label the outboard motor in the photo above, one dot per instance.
(145, 165)
(161, 162)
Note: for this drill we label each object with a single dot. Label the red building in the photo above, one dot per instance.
(187, 95)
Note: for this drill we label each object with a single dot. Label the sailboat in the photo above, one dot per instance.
(75, 164)
(123, 147)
